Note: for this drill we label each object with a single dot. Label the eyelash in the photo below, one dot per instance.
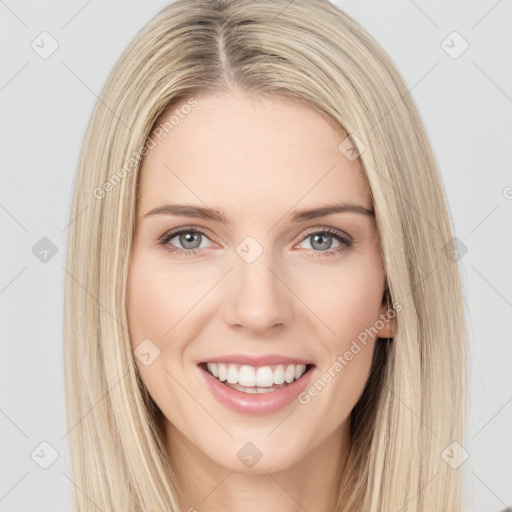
(345, 242)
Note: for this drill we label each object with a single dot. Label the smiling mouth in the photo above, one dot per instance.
(253, 380)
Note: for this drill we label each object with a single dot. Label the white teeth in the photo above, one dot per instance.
(232, 374)
(264, 377)
(252, 391)
(249, 376)
(289, 374)
(223, 371)
(279, 374)
(214, 369)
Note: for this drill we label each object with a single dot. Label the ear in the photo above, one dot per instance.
(387, 317)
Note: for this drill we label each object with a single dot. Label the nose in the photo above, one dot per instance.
(258, 296)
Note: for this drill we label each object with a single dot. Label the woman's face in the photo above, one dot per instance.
(244, 278)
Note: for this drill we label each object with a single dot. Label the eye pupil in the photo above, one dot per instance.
(188, 238)
(324, 245)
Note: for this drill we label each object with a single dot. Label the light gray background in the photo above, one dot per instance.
(45, 106)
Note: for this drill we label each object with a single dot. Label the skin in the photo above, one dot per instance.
(258, 160)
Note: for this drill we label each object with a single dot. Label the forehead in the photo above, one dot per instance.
(249, 152)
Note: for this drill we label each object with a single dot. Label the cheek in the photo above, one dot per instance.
(348, 300)
(156, 302)
(155, 307)
(349, 303)
(147, 307)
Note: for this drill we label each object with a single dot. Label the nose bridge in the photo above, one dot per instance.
(259, 299)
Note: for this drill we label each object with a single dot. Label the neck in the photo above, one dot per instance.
(312, 483)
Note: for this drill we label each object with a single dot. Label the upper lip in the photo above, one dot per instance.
(256, 361)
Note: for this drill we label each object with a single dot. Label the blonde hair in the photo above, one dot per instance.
(311, 52)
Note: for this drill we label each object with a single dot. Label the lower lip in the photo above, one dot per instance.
(256, 404)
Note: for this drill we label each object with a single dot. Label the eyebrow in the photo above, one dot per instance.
(188, 210)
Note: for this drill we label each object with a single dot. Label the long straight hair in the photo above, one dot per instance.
(413, 405)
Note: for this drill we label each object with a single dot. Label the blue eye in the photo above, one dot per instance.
(321, 243)
(190, 239)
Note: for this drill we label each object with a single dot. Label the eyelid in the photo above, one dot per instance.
(327, 229)
(168, 235)
(344, 239)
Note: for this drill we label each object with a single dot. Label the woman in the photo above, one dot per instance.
(262, 307)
